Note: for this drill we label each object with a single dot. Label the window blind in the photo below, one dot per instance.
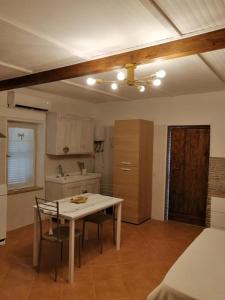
(21, 158)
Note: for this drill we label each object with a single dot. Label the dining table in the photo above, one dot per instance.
(72, 212)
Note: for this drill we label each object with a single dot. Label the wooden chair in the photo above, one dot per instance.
(100, 218)
(55, 232)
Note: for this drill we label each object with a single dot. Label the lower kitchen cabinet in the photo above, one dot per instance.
(55, 191)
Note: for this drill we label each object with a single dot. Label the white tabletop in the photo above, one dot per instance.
(95, 202)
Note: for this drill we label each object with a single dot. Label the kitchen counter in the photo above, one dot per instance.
(59, 187)
(72, 177)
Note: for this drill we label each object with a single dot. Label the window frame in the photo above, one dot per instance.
(28, 125)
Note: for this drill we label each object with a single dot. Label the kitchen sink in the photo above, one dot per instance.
(72, 177)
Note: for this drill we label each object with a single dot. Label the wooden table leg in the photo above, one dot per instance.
(71, 250)
(36, 239)
(118, 226)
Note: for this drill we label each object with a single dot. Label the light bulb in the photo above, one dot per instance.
(160, 74)
(91, 81)
(120, 76)
(114, 86)
(141, 88)
(157, 82)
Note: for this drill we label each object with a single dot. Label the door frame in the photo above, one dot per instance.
(168, 160)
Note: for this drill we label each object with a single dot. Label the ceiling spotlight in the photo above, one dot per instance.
(120, 76)
(91, 81)
(160, 74)
(114, 86)
(156, 82)
(141, 88)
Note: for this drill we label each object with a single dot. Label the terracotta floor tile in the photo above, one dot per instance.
(4, 269)
(147, 252)
(109, 256)
(20, 291)
(81, 274)
(110, 289)
(107, 272)
(46, 293)
(79, 291)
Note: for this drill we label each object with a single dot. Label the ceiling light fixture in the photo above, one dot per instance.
(91, 81)
(157, 82)
(130, 80)
(141, 88)
(160, 73)
(120, 76)
(114, 86)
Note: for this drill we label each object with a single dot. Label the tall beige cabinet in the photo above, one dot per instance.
(132, 168)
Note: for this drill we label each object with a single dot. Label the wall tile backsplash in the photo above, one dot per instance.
(216, 183)
(69, 163)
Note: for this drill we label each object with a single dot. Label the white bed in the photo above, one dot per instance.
(199, 273)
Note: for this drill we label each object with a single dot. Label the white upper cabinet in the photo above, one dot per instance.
(69, 134)
(87, 136)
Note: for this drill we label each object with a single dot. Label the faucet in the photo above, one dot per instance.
(80, 165)
(61, 170)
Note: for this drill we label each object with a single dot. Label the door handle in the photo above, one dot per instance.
(125, 162)
(125, 169)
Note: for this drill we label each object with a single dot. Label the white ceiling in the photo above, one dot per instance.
(8, 71)
(193, 15)
(217, 60)
(41, 35)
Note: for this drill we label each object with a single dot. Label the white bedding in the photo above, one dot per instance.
(199, 273)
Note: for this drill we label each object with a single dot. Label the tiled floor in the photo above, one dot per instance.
(147, 252)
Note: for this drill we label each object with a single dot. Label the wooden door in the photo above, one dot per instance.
(188, 173)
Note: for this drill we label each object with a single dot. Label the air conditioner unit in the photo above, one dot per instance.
(26, 102)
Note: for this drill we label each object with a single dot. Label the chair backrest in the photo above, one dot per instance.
(48, 210)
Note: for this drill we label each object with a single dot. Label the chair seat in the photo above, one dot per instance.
(48, 212)
(98, 218)
(63, 234)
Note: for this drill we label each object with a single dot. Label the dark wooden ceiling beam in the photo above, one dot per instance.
(205, 42)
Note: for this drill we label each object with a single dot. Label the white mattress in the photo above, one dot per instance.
(199, 273)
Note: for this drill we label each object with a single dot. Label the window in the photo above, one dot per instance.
(21, 155)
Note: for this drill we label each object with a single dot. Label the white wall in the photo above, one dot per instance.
(196, 109)
(159, 172)
(103, 160)
(20, 205)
